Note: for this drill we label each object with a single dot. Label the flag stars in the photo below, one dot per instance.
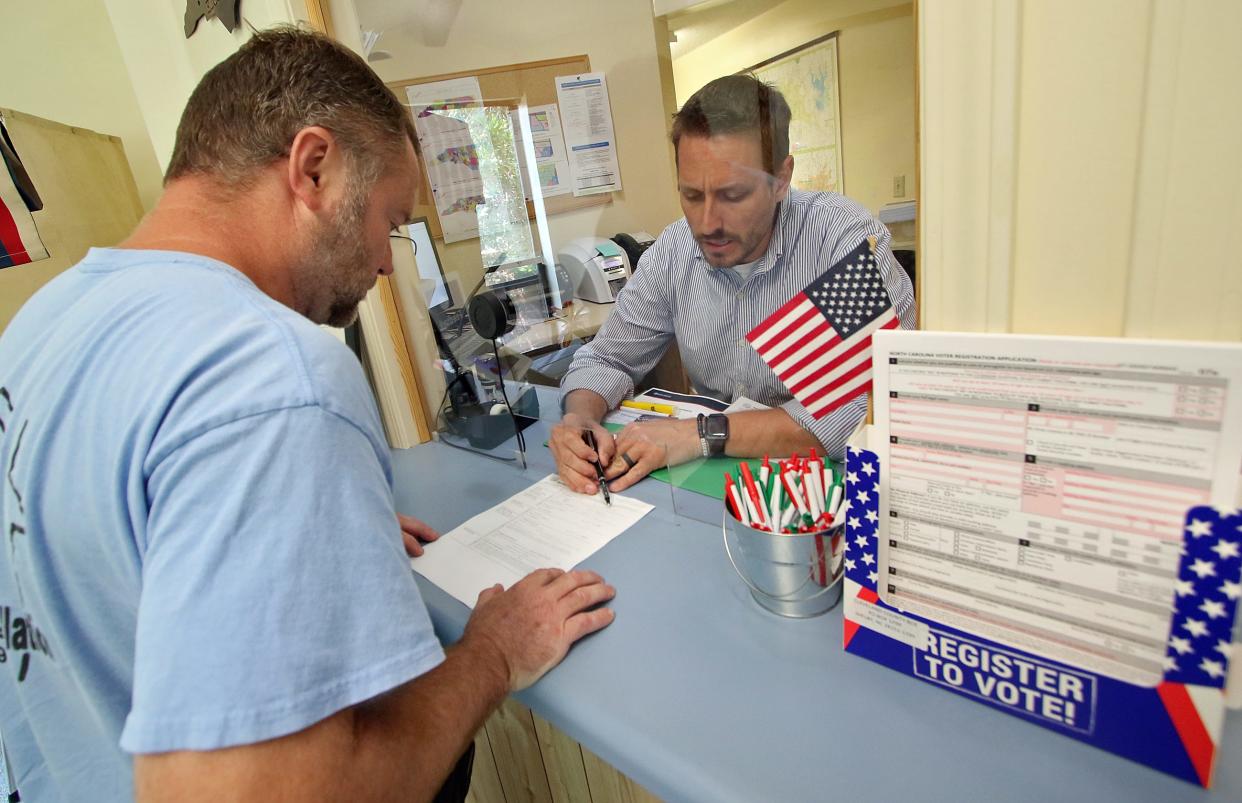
(1222, 647)
(1226, 549)
(1214, 668)
(1231, 589)
(1195, 627)
(1203, 568)
(1184, 588)
(1199, 528)
(849, 564)
(854, 523)
(872, 576)
(1182, 645)
(852, 477)
(1170, 664)
(860, 540)
(1213, 609)
(868, 558)
(872, 516)
(862, 497)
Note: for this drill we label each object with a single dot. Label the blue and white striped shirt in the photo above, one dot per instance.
(675, 293)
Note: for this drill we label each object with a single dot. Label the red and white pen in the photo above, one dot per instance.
(735, 500)
(748, 480)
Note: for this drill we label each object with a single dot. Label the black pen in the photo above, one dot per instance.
(603, 484)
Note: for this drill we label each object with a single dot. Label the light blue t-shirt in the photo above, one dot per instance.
(199, 542)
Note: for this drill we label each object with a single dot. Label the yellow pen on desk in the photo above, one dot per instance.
(663, 409)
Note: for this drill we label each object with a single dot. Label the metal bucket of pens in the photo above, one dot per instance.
(782, 538)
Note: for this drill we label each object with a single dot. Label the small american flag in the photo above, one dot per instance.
(1206, 595)
(819, 342)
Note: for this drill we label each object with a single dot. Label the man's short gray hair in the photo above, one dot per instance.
(246, 111)
(738, 104)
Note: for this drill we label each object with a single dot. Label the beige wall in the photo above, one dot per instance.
(89, 198)
(164, 67)
(876, 65)
(620, 39)
(121, 67)
(60, 61)
(1082, 179)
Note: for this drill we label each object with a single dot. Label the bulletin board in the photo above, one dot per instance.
(507, 85)
(89, 198)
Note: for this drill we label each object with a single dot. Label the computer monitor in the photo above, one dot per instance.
(435, 288)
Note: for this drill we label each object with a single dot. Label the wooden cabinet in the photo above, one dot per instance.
(522, 758)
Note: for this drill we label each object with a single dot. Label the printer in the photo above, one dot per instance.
(634, 245)
(597, 268)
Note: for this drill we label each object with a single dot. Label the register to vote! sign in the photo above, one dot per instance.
(1026, 685)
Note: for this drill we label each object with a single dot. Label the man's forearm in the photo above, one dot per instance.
(586, 403)
(754, 433)
(407, 741)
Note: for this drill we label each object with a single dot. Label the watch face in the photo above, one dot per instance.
(716, 426)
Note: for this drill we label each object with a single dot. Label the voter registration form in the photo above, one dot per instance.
(544, 526)
(1034, 489)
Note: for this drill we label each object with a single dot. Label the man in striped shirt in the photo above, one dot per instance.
(747, 244)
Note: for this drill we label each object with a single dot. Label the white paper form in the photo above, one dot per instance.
(545, 526)
(587, 120)
(450, 155)
(1034, 489)
(548, 143)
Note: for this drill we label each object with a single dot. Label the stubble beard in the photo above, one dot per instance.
(334, 276)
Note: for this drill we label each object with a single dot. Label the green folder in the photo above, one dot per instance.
(707, 476)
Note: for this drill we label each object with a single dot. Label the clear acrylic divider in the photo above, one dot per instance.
(489, 405)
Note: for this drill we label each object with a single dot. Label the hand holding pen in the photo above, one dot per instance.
(589, 435)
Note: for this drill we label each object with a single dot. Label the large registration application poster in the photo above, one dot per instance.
(1032, 524)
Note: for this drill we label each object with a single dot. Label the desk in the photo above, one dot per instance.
(698, 694)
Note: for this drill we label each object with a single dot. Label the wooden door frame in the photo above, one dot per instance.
(320, 18)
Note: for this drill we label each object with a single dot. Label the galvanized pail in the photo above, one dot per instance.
(791, 574)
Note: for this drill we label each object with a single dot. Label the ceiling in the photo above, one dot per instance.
(706, 21)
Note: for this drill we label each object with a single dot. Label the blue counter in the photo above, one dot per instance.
(698, 694)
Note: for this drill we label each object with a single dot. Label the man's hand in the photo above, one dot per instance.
(644, 446)
(574, 458)
(533, 624)
(415, 533)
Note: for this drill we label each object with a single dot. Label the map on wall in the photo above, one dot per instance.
(807, 77)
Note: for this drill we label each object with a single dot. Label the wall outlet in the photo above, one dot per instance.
(899, 186)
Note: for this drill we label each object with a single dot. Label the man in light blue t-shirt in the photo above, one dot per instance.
(202, 566)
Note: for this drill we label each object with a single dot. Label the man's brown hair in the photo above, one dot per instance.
(738, 104)
(247, 109)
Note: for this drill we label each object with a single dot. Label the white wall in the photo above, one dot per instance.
(164, 66)
(61, 61)
(620, 39)
(1082, 167)
(875, 56)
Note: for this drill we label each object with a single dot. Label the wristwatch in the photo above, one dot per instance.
(713, 433)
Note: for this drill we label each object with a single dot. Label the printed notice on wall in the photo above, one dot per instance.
(1036, 488)
(443, 112)
(587, 122)
(548, 146)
